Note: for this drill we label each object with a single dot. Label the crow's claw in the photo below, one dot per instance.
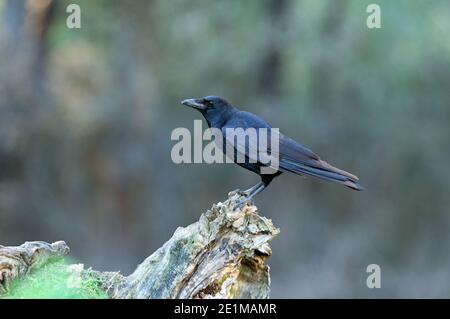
(241, 203)
(239, 192)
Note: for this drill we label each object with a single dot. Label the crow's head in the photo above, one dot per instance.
(215, 109)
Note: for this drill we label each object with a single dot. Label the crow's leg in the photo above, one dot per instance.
(250, 193)
(258, 188)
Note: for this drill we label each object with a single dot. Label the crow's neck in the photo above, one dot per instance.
(218, 119)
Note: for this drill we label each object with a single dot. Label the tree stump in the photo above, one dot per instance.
(222, 255)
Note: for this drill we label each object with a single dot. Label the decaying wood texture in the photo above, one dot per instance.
(16, 262)
(223, 255)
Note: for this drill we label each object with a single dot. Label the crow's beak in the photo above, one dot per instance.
(194, 103)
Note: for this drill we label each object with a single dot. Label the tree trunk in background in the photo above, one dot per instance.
(24, 49)
(324, 64)
(223, 255)
(24, 107)
(23, 52)
(270, 76)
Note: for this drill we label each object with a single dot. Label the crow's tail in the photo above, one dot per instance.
(323, 170)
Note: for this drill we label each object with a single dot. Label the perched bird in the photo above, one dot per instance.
(292, 156)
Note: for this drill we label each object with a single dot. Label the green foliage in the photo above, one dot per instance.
(57, 280)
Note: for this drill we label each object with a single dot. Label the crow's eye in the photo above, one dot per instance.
(208, 103)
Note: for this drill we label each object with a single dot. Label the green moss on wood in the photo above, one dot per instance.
(57, 280)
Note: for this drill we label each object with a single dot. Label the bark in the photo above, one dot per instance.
(223, 255)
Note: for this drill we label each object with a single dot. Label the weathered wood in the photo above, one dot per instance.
(223, 255)
(18, 261)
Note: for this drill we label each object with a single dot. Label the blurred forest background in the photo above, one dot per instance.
(86, 116)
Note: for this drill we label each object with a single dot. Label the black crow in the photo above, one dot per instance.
(292, 156)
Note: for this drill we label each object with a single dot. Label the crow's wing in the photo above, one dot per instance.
(246, 145)
(292, 156)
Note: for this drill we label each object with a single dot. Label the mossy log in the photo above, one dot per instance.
(223, 255)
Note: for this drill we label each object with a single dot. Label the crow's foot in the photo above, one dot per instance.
(239, 192)
(242, 202)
